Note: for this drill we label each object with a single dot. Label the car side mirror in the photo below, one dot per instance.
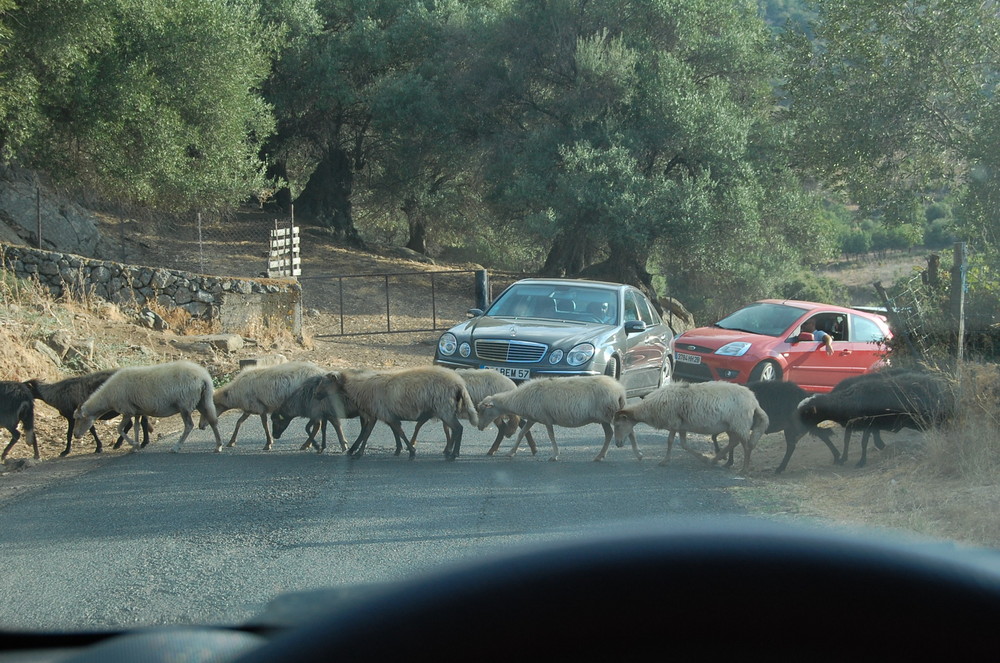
(474, 312)
(635, 326)
(805, 336)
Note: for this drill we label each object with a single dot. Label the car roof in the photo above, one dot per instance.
(811, 306)
(583, 282)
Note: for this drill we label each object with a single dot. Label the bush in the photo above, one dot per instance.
(813, 288)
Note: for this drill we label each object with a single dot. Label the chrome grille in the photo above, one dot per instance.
(513, 351)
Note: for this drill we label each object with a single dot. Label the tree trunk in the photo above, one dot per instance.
(417, 240)
(568, 254)
(625, 264)
(326, 199)
(282, 197)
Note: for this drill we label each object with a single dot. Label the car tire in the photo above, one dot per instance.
(613, 369)
(766, 371)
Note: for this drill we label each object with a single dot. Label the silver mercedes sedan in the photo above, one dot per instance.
(564, 327)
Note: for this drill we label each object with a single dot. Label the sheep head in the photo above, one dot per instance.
(487, 412)
(82, 421)
(623, 422)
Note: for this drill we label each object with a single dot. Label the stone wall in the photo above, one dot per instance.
(234, 303)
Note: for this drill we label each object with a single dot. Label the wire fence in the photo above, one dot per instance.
(220, 246)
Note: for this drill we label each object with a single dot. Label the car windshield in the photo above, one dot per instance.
(762, 318)
(557, 302)
(506, 193)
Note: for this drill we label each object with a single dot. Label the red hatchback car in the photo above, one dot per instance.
(764, 341)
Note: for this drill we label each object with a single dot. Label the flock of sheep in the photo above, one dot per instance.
(886, 400)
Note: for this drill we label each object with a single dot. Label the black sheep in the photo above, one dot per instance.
(889, 400)
(17, 406)
(780, 400)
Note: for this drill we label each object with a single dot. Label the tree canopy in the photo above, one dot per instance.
(688, 146)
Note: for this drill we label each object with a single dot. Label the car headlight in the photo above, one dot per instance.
(556, 356)
(580, 354)
(465, 349)
(447, 344)
(735, 349)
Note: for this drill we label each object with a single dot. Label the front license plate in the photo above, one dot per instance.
(512, 373)
(686, 358)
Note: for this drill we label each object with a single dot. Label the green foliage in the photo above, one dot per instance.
(939, 234)
(856, 242)
(814, 288)
(151, 102)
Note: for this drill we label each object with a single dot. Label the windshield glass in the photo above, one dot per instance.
(342, 188)
(762, 318)
(569, 303)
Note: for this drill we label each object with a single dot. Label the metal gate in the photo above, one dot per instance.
(389, 303)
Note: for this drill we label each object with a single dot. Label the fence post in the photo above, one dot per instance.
(38, 216)
(958, 270)
(482, 289)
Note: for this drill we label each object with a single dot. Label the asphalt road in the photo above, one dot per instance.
(155, 538)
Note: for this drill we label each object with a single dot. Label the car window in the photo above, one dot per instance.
(762, 318)
(631, 308)
(569, 303)
(864, 330)
(646, 311)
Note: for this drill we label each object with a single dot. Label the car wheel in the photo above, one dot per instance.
(666, 372)
(612, 369)
(765, 371)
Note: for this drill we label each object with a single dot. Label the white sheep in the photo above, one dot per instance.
(569, 402)
(709, 408)
(161, 390)
(410, 394)
(261, 391)
(483, 382)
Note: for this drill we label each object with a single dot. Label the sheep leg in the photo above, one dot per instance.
(449, 442)
(635, 445)
(734, 440)
(791, 439)
(608, 434)
(520, 436)
(14, 437)
(123, 432)
(30, 434)
(267, 433)
(146, 429)
(505, 428)
(697, 454)
(359, 445)
(339, 429)
(188, 427)
(214, 423)
(552, 438)
(609, 431)
(496, 442)
(312, 427)
(848, 429)
(69, 438)
(454, 446)
(670, 445)
(877, 437)
(715, 445)
(397, 431)
(236, 430)
(864, 447)
(416, 429)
